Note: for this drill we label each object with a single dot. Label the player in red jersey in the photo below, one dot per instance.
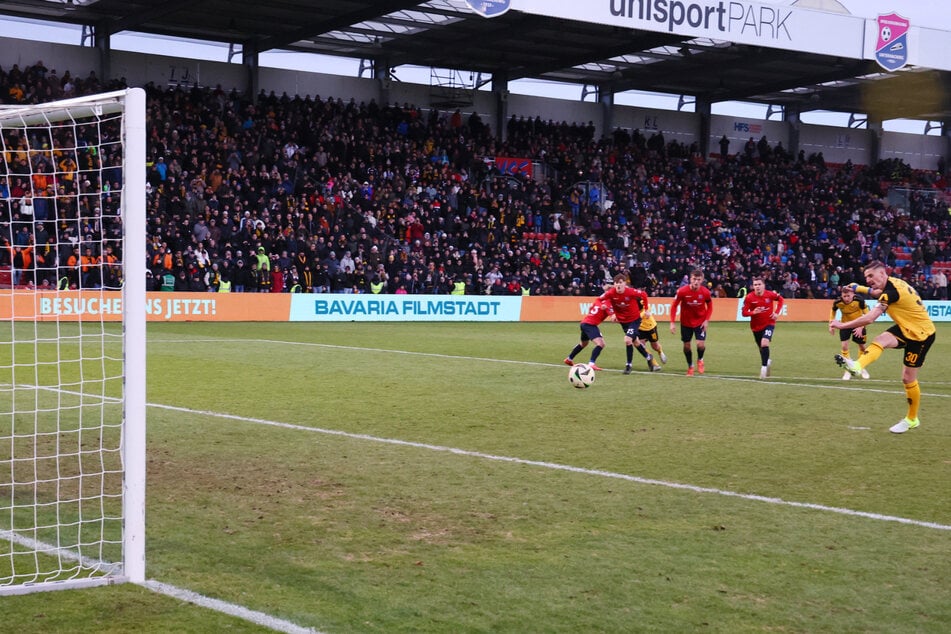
(696, 309)
(626, 303)
(762, 306)
(590, 331)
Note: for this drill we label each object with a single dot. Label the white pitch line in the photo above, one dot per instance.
(561, 467)
(58, 551)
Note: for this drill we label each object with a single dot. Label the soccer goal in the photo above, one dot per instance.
(72, 347)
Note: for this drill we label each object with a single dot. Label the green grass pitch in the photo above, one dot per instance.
(447, 478)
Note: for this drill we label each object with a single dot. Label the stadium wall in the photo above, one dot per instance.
(22, 305)
(917, 150)
(838, 145)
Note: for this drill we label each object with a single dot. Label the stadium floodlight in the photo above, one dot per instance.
(72, 350)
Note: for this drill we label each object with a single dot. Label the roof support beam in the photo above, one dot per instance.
(643, 41)
(316, 27)
(500, 88)
(793, 128)
(875, 140)
(704, 122)
(132, 20)
(251, 63)
(606, 99)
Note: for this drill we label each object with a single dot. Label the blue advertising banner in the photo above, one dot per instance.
(341, 307)
(938, 311)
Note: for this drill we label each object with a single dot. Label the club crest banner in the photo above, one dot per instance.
(489, 8)
(891, 48)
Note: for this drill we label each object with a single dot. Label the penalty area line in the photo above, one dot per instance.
(563, 467)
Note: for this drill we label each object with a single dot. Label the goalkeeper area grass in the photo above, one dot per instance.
(434, 477)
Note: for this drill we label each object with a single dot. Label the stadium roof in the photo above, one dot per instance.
(446, 34)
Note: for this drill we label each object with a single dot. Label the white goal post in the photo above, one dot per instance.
(73, 343)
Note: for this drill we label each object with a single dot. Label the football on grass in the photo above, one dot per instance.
(581, 375)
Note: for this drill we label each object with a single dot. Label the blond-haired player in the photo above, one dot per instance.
(648, 333)
(914, 332)
(850, 307)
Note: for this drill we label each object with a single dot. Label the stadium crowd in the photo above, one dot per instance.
(311, 194)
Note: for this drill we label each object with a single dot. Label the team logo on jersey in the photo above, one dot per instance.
(489, 8)
(891, 48)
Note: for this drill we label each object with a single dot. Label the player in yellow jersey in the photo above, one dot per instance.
(648, 333)
(913, 330)
(850, 307)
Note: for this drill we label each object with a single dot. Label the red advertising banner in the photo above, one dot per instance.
(514, 166)
(574, 308)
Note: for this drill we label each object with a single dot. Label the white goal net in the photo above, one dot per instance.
(72, 343)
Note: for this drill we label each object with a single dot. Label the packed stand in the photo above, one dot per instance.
(301, 194)
(60, 225)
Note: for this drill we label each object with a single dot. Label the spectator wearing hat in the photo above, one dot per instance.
(162, 169)
(181, 284)
(263, 267)
(241, 279)
(347, 262)
(277, 279)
